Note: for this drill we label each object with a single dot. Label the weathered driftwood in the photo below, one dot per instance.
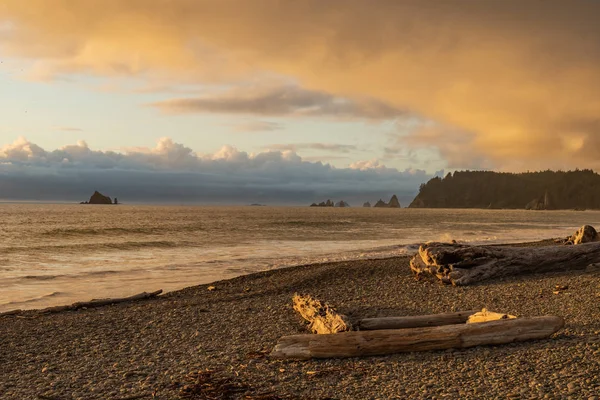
(100, 302)
(459, 264)
(419, 321)
(390, 341)
(322, 318)
(487, 316)
(585, 234)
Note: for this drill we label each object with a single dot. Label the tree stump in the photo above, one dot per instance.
(322, 318)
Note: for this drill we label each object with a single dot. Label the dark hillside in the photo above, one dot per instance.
(551, 190)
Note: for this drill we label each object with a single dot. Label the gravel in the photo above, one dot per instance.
(197, 343)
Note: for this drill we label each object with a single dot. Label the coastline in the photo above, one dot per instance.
(151, 346)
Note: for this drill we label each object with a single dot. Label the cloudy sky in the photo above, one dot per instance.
(290, 101)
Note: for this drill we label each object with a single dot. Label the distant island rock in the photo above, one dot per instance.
(327, 203)
(99, 198)
(367, 204)
(394, 203)
(257, 205)
(546, 190)
(342, 203)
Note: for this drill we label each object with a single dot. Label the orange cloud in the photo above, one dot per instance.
(517, 83)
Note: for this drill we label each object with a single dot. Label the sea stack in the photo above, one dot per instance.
(99, 198)
(394, 203)
(380, 204)
(342, 203)
(328, 203)
(367, 204)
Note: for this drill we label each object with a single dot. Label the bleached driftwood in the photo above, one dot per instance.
(322, 318)
(390, 341)
(100, 302)
(418, 321)
(585, 234)
(459, 264)
(487, 316)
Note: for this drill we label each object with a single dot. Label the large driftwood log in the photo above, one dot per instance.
(100, 302)
(419, 321)
(390, 341)
(322, 318)
(459, 264)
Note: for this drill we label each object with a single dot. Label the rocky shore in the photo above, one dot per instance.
(197, 343)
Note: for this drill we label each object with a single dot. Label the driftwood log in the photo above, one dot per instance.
(100, 302)
(419, 321)
(322, 318)
(390, 341)
(459, 264)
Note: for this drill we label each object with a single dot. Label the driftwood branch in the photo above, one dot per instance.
(419, 321)
(487, 316)
(459, 264)
(100, 302)
(390, 341)
(322, 318)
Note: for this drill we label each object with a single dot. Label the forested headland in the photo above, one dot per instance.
(545, 190)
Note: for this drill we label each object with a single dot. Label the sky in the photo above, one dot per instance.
(288, 102)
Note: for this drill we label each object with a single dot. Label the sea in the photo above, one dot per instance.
(57, 254)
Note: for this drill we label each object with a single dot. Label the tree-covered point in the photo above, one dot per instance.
(579, 189)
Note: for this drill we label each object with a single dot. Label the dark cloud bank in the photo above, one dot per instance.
(173, 173)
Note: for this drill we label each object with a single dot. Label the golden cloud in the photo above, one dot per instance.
(516, 83)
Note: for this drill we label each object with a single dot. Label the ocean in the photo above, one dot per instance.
(56, 254)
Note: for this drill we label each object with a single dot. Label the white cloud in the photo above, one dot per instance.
(173, 172)
(367, 165)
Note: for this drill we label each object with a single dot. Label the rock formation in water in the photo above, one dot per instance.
(542, 203)
(547, 190)
(380, 203)
(394, 203)
(327, 203)
(342, 203)
(367, 204)
(99, 198)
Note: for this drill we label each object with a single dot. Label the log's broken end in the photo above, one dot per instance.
(486, 316)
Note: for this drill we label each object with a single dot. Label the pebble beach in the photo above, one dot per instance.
(198, 343)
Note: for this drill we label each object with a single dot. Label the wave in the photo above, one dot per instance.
(79, 247)
(40, 277)
(81, 275)
(34, 299)
(313, 224)
(117, 231)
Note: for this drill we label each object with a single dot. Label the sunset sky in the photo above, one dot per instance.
(291, 100)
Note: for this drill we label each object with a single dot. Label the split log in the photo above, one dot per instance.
(419, 321)
(390, 341)
(100, 302)
(487, 316)
(459, 264)
(322, 318)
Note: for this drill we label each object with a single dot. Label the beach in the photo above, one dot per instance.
(156, 348)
